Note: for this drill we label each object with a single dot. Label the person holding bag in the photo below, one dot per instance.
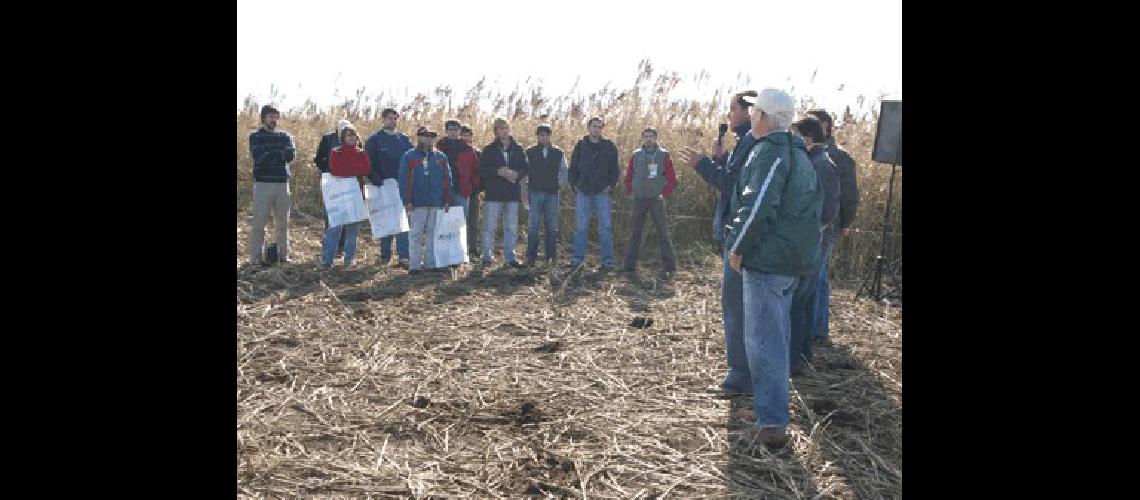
(348, 160)
(425, 186)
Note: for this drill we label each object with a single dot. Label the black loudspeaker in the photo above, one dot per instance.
(888, 137)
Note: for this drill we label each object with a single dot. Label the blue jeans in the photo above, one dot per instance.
(332, 236)
(584, 204)
(401, 246)
(803, 316)
(510, 211)
(823, 306)
(739, 379)
(767, 299)
(543, 207)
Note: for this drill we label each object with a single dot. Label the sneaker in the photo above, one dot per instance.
(606, 269)
(572, 265)
(414, 272)
(402, 264)
(515, 264)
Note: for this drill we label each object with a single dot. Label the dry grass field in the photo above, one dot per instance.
(370, 382)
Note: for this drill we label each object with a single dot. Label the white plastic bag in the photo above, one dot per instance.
(344, 203)
(450, 236)
(386, 210)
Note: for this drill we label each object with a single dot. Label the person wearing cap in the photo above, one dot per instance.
(773, 238)
(501, 166)
(464, 165)
(321, 160)
(650, 179)
(720, 171)
(271, 151)
(425, 187)
(593, 173)
(467, 135)
(848, 205)
(803, 314)
(547, 173)
(386, 147)
(346, 160)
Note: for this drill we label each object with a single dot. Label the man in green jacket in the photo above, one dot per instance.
(773, 238)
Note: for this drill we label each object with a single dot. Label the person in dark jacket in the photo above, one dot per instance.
(345, 160)
(321, 160)
(501, 166)
(720, 171)
(464, 164)
(848, 204)
(473, 248)
(426, 186)
(773, 238)
(650, 180)
(804, 300)
(593, 173)
(385, 148)
(271, 151)
(547, 173)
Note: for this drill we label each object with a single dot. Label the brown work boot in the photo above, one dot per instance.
(772, 437)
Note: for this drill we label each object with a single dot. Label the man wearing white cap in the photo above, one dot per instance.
(328, 142)
(773, 238)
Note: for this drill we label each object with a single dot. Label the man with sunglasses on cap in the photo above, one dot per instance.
(386, 147)
(271, 150)
(773, 238)
(321, 160)
(426, 186)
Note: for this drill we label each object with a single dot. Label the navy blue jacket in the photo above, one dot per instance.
(848, 186)
(829, 182)
(721, 174)
(271, 153)
(384, 153)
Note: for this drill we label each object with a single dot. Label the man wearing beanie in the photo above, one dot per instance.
(328, 142)
(385, 149)
(773, 238)
(271, 150)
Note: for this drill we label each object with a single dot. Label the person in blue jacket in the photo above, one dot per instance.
(426, 187)
(720, 171)
(386, 147)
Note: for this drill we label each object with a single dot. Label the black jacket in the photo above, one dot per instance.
(544, 172)
(594, 166)
(496, 188)
(328, 142)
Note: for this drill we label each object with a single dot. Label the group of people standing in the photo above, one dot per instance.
(455, 174)
(786, 192)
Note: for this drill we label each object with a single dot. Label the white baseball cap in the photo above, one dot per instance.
(341, 124)
(774, 102)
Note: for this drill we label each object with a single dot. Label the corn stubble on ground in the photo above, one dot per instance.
(371, 382)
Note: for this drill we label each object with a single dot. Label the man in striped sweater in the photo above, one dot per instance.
(271, 150)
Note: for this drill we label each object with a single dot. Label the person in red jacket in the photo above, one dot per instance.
(650, 179)
(472, 212)
(461, 156)
(346, 160)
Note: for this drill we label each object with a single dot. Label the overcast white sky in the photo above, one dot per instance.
(308, 49)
